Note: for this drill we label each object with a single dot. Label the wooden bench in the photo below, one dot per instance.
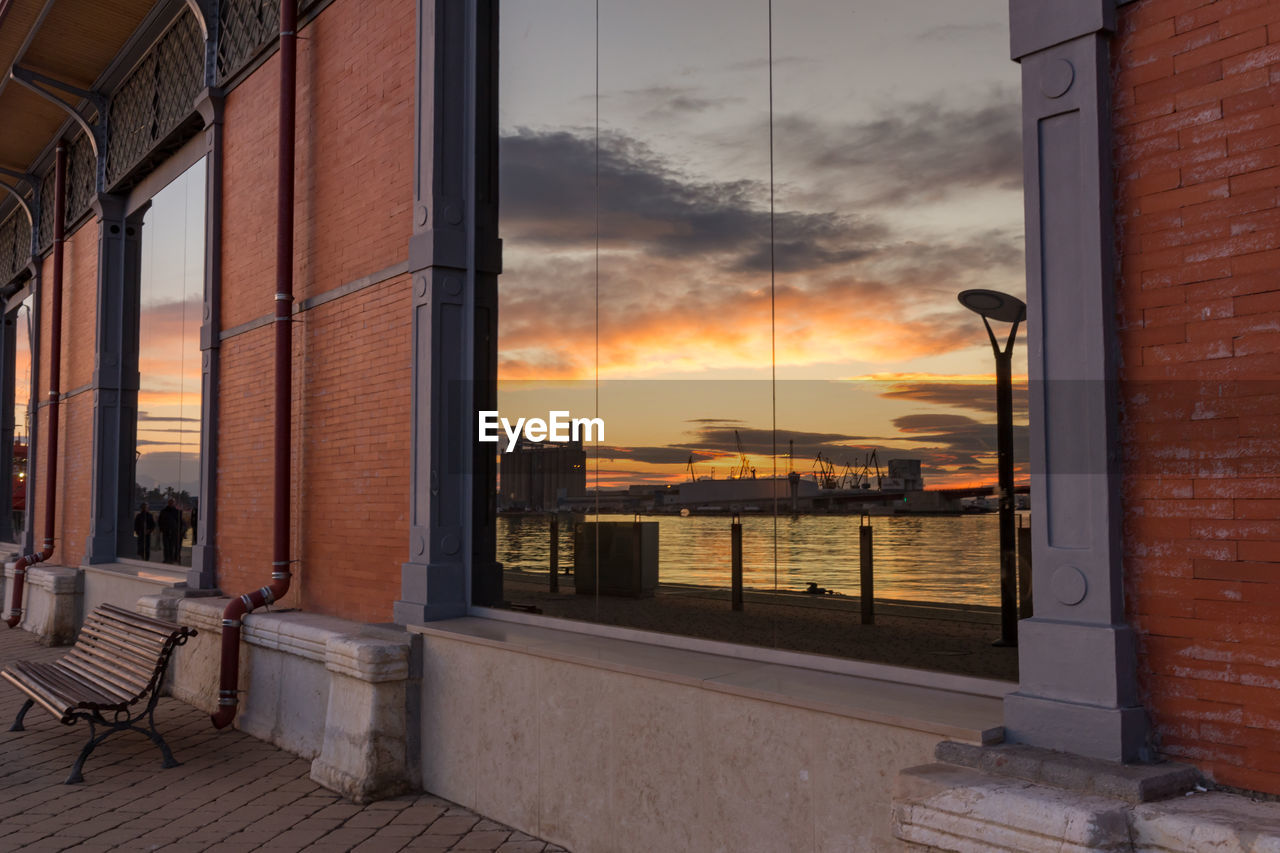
(118, 661)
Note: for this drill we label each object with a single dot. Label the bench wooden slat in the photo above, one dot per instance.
(37, 695)
(109, 683)
(139, 623)
(59, 688)
(71, 691)
(130, 684)
(112, 649)
(141, 633)
(77, 689)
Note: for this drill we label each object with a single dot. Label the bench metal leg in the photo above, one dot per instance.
(17, 723)
(166, 756)
(167, 759)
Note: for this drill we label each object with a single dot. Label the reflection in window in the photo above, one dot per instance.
(22, 330)
(167, 459)
(745, 259)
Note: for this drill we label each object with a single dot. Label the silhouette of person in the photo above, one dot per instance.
(171, 531)
(143, 525)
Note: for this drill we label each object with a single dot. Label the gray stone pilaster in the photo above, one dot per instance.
(8, 351)
(203, 572)
(1077, 659)
(452, 231)
(115, 379)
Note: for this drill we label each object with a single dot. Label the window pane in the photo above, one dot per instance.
(23, 328)
(171, 294)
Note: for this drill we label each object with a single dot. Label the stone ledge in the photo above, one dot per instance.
(57, 580)
(1217, 822)
(964, 809)
(951, 808)
(368, 659)
(1133, 783)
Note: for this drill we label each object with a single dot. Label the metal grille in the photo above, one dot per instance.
(46, 210)
(82, 168)
(10, 259)
(157, 97)
(247, 26)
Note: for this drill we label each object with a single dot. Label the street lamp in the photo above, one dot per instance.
(993, 305)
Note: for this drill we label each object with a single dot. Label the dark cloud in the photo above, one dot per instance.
(652, 455)
(145, 416)
(957, 440)
(548, 197)
(670, 103)
(912, 151)
(979, 396)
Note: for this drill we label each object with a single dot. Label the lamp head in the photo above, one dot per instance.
(994, 305)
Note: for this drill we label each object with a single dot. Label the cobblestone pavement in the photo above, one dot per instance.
(232, 793)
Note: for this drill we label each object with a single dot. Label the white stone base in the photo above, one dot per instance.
(320, 687)
(51, 602)
(941, 807)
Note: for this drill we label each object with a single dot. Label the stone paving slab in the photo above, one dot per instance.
(232, 793)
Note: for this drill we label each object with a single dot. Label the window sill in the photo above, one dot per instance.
(949, 706)
(153, 572)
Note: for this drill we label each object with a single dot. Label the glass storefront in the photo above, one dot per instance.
(735, 234)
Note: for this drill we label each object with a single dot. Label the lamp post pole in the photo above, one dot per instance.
(992, 305)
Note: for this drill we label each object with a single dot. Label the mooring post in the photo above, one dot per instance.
(867, 596)
(736, 537)
(555, 553)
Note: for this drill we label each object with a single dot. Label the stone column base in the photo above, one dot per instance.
(365, 747)
(1017, 798)
(51, 602)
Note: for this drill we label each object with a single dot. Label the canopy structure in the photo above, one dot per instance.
(73, 42)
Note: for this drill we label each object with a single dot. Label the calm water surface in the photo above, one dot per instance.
(923, 558)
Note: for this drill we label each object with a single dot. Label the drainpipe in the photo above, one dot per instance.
(55, 380)
(280, 574)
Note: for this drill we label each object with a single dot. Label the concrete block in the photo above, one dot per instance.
(963, 810)
(320, 687)
(1217, 822)
(365, 751)
(51, 608)
(1134, 783)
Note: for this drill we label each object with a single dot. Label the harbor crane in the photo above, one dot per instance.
(744, 466)
(870, 462)
(824, 471)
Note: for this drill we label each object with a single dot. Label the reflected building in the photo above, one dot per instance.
(537, 476)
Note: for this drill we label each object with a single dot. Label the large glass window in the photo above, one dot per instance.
(735, 233)
(22, 420)
(171, 294)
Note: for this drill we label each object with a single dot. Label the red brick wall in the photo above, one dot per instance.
(352, 360)
(75, 440)
(1197, 148)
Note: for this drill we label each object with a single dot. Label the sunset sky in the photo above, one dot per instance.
(897, 178)
(169, 336)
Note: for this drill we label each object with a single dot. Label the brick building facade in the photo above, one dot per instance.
(1153, 181)
(1196, 118)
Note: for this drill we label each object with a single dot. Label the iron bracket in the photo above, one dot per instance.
(41, 84)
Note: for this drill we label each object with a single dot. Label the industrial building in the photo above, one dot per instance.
(538, 477)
